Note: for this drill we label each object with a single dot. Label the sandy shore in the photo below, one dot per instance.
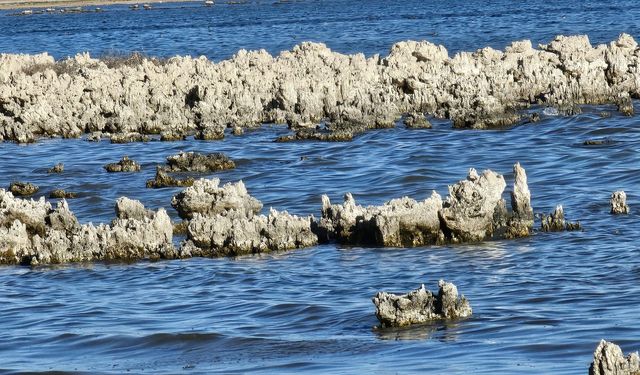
(13, 4)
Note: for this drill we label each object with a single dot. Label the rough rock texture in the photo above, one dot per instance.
(60, 194)
(163, 179)
(416, 121)
(58, 168)
(132, 209)
(207, 197)
(318, 135)
(225, 221)
(400, 222)
(234, 234)
(619, 203)
(468, 213)
(308, 85)
(195, 162)
(33, 232)
(420, 306)
(23, 188)
(473, 211)
(521, 222)
(124, 165)
(608, 359)
(555, 222)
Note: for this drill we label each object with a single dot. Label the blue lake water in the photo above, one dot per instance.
(541, 304)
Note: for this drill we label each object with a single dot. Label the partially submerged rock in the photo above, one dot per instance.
(608, 359)
(421, 306)
(416, 121)
(124, 165)
(555, 222)
(163, 179)
(23, 188)
(225, 221)
(316, 135)
(33, 232)
(310, 85)
(618, 203)
(196, 162)
(132, 209)
(468, 213)
(207, 197)
(232, 235)
(473, 211)
(62, 194)
(58, 168)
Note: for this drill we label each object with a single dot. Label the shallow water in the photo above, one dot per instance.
(541, 304)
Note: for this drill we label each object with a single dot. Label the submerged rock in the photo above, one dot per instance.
(58, 168)
(555, 222)
(195, 162)
(307, 86)
(124, 165)
(163, 179)
(60, 194)
(33, 232)
(618, 203)
(608, 359)
(23, 188)
(421, 306)
(416, 121)
(314, 135)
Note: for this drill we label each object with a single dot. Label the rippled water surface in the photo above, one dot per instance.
(541, 304)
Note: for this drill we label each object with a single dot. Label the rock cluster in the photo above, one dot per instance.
(555, 222)
(196, 162)
(33, 232)
(225, 221)
(608, 359)
(421, 306)
(124, 165)
(619, 203)
(473, 211)
(307, 86)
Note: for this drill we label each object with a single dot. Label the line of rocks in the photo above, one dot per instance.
(310, 85)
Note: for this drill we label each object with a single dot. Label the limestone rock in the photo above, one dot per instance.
(124, 165)
(195, 162)
(608, 359)
(207, 197)
(421, 306)
(555, 222)
(132, 209)
(23, 188)
(619, 203)
(521, 221)
(58, 168)
(62, 194)
(468, 212)
(163, 179)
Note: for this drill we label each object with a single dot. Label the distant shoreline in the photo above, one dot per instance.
(12, 4)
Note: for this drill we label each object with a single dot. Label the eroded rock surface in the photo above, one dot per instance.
(163, 179)
(307, 86)
(207, 197)
(421, 306)
(33, 232)
(555, 222)
(61, 193)
(195, 162)
(226, 221)
(58, 168)
(124, 165)
(473, 211)
(618, 203)
(608, 359)
(23, 188)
